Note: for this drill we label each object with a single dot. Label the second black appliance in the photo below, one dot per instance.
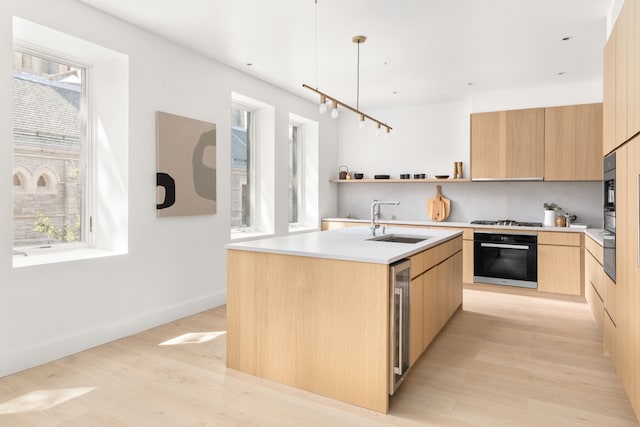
(506, 259)
(609, 214)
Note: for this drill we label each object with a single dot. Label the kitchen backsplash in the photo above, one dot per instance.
(521, 201)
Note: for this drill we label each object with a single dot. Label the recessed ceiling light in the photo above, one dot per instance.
(562, 73)
(249, 64)
(395, 92)
(567, 38)
(471, 83)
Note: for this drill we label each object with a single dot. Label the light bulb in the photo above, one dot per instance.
(323, 104)
(377, 129)
(334, 111)
(361, 124)
(386, 134)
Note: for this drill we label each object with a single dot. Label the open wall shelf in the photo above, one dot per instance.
(395, 181)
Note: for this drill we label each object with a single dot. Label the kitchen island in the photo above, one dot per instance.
(313, 310)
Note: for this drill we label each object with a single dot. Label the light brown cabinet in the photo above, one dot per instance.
(624, 339)
(507, 144)
(436, 293)
(573, 143)
(621, 30)
(415, 319)
(556, 143)
(633, 67)
(423, 308)
(594, 279)
(560, 263)
(609, 96)
(449, 288)
(621, 76)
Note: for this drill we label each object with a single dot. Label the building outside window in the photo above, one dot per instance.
(295, 174)
(242, 167)
(50, 146)
(303, 173)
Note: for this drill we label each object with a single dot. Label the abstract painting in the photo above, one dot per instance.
(186, 166)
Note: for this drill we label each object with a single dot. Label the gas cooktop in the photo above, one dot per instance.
(507, 223)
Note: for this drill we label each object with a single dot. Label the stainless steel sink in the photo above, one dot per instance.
(399, 238)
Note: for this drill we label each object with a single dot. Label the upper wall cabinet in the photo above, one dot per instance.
(507, 144)
(557, 144)
(573, 143)
(633, 68)
(621, 95)
(609, 96)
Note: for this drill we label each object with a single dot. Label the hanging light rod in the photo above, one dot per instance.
(325, 97)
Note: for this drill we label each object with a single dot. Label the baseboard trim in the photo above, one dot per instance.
(14, 361)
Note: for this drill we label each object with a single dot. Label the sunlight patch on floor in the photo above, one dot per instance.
(194, 338)
(40, 400)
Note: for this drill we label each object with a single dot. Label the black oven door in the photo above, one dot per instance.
(506, 259)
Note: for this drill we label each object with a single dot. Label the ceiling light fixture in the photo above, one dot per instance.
(334, 101)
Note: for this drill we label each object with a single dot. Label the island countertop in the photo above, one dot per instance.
(349, 244)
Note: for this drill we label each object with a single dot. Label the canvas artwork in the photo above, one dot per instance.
(186, 166)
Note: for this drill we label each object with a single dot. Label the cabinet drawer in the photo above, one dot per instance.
(610, 297)
(595, 304)
(594, 274)
(594, 248)
(609, 338)
(559, 238)
(425, 260)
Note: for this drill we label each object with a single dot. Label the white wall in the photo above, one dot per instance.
(429, 138)
(174, 266)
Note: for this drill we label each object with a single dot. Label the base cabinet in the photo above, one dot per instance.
(560, 265)
(594, 280)
(436, 293)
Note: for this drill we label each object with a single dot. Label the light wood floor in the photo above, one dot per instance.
(506, 360)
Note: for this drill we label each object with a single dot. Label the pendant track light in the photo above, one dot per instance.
(334, 101)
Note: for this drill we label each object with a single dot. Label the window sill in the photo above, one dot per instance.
(239, 235)
(52, 257)
(293, 229)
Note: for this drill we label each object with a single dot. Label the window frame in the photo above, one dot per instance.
(87, 159)
(252, 165)
(300, 172)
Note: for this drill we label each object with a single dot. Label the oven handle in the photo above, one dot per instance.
(502, 245)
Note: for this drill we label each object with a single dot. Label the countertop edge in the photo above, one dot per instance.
(278, 245)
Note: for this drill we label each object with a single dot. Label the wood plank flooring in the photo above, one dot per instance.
(505, 360)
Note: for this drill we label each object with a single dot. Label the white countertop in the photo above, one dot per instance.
(596, 235)
(349, 244)
(459, 224)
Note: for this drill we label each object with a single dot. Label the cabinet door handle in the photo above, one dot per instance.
(502, 245)
(398, 369)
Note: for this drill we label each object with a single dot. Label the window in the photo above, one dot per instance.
(242, 170)
(70, 141)
(50, 142)
(252, 167)
(295, 176)
(303, 173)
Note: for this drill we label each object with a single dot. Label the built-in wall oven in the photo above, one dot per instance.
(609, 214)
(502, 258)
(399, 323)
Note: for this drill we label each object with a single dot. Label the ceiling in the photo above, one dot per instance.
(434, 50)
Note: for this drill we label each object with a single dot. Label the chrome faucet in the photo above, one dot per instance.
(375, 214)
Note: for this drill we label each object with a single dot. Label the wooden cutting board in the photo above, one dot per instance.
(438, 207)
